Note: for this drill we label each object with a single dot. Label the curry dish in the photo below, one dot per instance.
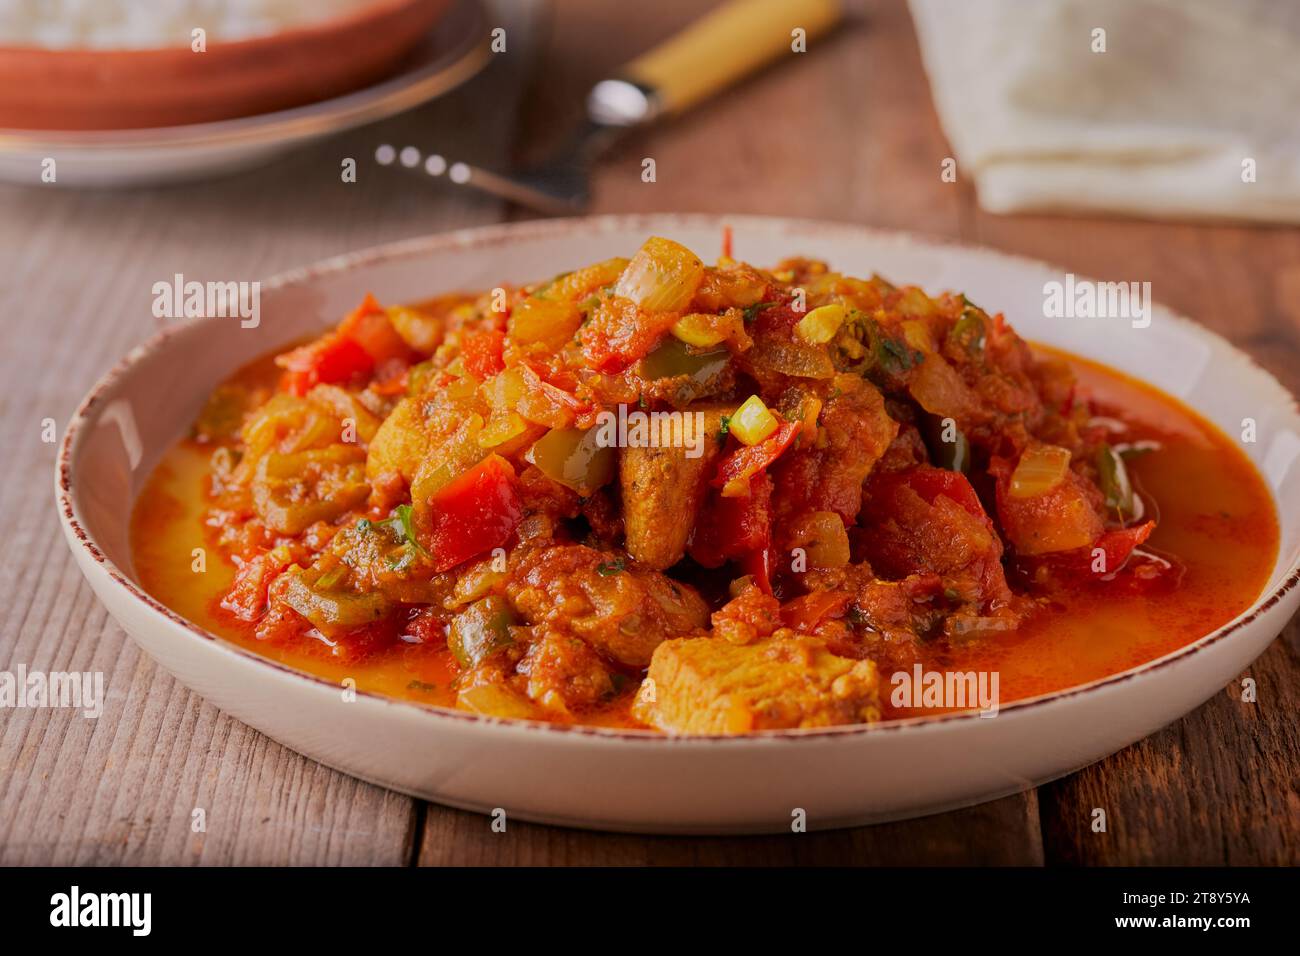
(656, 493)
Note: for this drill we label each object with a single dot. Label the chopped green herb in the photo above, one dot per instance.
(608, 568)
(403, 558)
(1137, 449)
(1114, 482)
(750, 312)
(399, 523)
(894, 356)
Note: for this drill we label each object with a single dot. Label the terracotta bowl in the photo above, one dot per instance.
(86, 89)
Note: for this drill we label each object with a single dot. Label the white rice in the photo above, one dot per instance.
(137, 24)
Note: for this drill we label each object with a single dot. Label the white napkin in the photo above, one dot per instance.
(1165, 123)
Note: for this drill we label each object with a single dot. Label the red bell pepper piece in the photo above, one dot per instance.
(369, 326)
(247, 598)
(805, 613)
(738, 529)
(760, 566)
(1116, 545)
(749, 461)
(1055, 521)
(930, 483)
(473, 513)
(731, 528)
(557, 395)
(481, 352)
(331, 358)
(746, 523)
(362, 341)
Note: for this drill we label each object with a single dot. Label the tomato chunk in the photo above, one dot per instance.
(805, 613)
(736, 471)
(247, 598)
(363, 341)
(929, 520)
(1116, 546)
(473, 513)
(330, 359)
(930, 483)
(1061, 519)
(731, 528)
(481, 353)
(618, 334)
(369, 327)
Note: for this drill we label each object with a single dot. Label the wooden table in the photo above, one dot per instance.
(844, 132)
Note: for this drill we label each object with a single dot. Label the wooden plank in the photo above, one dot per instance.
(997, 833)
(123, 788)
(844, 131)
(1215, 788)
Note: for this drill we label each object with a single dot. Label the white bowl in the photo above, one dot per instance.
(632, 780)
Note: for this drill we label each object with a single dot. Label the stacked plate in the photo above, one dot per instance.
(111, 108)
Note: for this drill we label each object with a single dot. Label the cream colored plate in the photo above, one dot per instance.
(637, 780)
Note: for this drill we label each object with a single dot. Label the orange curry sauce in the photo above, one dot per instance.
(1216, 520)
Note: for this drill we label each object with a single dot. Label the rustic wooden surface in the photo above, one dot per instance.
(844, 132)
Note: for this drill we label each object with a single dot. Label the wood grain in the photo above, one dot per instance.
(843, 132)
(123, 789)
(1000, 833)
(1219, 787)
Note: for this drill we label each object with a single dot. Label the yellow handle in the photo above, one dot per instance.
(725, 44)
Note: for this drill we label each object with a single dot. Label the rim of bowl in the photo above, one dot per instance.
(498, 234)
(452, 64)
(313, 29)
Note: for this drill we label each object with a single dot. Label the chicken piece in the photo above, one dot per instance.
(564, 673)
(929, 520)
(663, 488)
(750, 615)
(854, 431)
(708, 686)
(621, 610)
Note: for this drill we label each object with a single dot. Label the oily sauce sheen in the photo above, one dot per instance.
(1216, 522)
